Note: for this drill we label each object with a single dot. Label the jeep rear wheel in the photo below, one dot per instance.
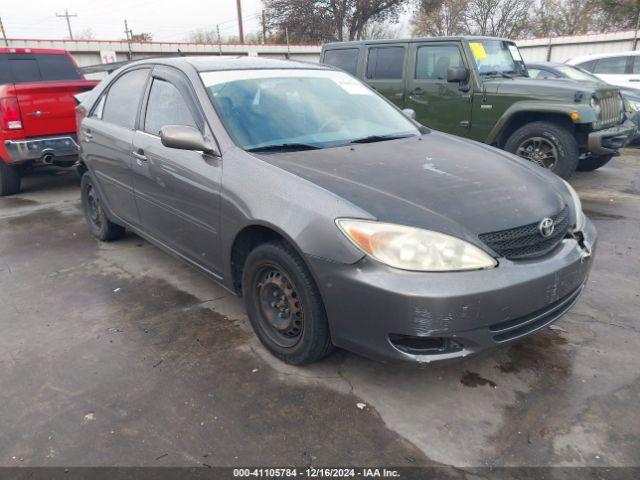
(547, 144)
(591, 163)
(9, 179)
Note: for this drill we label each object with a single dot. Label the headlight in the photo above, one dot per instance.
(414, 249)
(633, 105)
(577, 205)
(595, 104)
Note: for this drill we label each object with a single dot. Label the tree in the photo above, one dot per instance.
(498, 18)
(322, 20)
(86, 34)
(141, 37)
(439, 18)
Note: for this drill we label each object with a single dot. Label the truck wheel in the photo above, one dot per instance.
(9, 179)
(547, 144)
(284, 305)
(589, 164)
(99, 225)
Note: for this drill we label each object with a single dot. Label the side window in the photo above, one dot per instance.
(611, 66)
(123, 98)
(385, 63)
(99, 108)
(533, 72)
(166, 107)
(588, 66)
(433, 61)
(636, 64)
(546, 74)
(345, 59)
(57, 67)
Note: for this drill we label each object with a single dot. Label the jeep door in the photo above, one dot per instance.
(385, 66)
(177, 191)
(106, 136)
(438, 104)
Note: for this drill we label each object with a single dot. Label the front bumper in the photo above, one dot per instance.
(370, 305)
(47, 149)
(610, 140)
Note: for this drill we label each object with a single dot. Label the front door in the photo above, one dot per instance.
(438, 104)
(385, 71)
(177, 191)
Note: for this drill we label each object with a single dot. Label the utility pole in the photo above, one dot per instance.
(129, 35)
(286, 32)
(219, 40)
(240, 27)
(4, 34)
(264, 28)
(67, 16)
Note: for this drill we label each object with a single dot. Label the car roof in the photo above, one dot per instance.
(456, 38)
(22, 50)
(547, 64)
(597, 56)
(209, 63)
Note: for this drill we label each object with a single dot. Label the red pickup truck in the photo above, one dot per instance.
(37, 111)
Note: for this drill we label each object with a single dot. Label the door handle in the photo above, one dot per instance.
(416, 92)
(87, 135)
(398, 95)
(140, 156)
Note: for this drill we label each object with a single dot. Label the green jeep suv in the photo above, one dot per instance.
(479, 88)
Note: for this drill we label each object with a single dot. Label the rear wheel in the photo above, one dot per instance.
(9, 179)
(547, 144)
(99, 224)
(589, 164)
(284, 305)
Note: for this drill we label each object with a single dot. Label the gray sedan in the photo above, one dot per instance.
(339, 219)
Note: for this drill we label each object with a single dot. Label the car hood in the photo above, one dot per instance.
(553, 88)
(437, 181)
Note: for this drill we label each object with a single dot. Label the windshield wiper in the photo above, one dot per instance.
(380, 138)
(496, 73)
(284, 147)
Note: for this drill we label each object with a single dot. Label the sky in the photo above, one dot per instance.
(105, 18)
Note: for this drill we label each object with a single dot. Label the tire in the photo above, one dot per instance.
(9, 179)
(99, 225)
(589, 164)
(550, 138)
(284, 305)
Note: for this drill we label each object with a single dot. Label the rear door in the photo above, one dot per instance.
(177, 191)
(106, 137)
(438, 104)
(45, 85)
(384, 70)
(616, 71)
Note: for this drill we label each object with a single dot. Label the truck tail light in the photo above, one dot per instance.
(10, 118)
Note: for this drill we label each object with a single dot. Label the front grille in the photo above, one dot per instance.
(527, 241)
(611, 110)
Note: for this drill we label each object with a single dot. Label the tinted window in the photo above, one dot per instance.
(636, 64)
(24, 70)
(123, 98)
(588, 66)
(533, 73)
(345, 59)
(613, 65)
(385, 63)
(57, 67)
(433, 61)
(166, 107)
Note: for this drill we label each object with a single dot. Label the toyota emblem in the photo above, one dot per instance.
(546, 227)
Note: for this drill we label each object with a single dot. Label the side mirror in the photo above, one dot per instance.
(410, 113)
(457, 74)
(184, 137)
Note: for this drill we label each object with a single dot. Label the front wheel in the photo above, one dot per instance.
(589, 164)
(284, 305)
(9, 179)
(547, 144)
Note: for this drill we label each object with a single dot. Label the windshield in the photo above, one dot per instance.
(301, 108)
(577, 74)
(497, 57)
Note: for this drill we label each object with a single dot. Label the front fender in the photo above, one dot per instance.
(586, 113)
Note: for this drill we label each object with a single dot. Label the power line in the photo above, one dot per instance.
(4, 35)
(68, 15)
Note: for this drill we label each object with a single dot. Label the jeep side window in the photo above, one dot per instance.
(611, 66)
(433, 61)
(345, 59)
(385, 63)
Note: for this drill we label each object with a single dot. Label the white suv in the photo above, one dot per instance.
(621, 69)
